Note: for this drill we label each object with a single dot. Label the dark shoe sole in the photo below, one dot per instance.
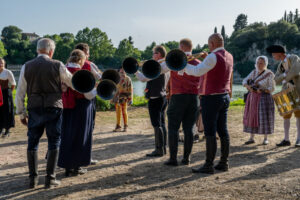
(171, 163)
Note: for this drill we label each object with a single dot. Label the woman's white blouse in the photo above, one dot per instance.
(267, 83)
(8, 75)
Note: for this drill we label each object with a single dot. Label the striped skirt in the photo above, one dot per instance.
(259, 114)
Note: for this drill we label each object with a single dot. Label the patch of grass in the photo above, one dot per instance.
(237, 102)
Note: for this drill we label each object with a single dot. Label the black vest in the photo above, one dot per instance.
(156, 87)
(43, 83)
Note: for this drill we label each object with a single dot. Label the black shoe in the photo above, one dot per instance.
(284, 143)
(222, 167)
(68, 172)
(185, 161)
(206, 169)
(155, 153)
(33, 181)
(249, 142)
(171, 163)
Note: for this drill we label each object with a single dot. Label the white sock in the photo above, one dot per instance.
(286, 124)
(298, 128)
(266, 136)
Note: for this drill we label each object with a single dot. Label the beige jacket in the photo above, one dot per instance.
(292, 74)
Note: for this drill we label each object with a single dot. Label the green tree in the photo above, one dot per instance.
(290, 17)
(147, 53)
(19, 50)
(215, 30)
(285, 16)
(3, 51)
(240, 22)
(101, 48)
(126, 49)
(296, 16)
(171, 45)
(223, 34)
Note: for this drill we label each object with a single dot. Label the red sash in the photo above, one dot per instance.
(1, 97)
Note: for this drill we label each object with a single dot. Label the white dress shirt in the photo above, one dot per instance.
(65, 77)
(7, 75)
(202, 68)
(95, 71)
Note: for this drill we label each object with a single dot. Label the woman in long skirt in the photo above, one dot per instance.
(8, 84)
(259, 109)
(77, 125)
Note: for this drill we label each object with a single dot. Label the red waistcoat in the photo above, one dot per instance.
(69, 97)
(184, 84)
(217, 80)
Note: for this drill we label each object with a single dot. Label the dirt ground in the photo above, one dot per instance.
(123, 172)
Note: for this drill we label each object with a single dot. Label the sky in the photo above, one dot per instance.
(145, 20)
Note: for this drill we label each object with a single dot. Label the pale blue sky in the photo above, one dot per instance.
(145, 21)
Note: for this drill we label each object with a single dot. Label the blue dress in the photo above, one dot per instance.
(76, 138)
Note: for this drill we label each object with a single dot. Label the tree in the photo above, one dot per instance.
(3, 51)
(18, 50)
(296, 16)
(126, 49)
(216, 30)
(291, 17)
(240, 22)
(171, 45)
(223, 32)
(101, 48)
(285, 16)
(147, 53)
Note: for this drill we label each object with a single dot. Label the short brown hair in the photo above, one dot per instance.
(187, 43)
(76, 56)
(83, 47)
(160, 49)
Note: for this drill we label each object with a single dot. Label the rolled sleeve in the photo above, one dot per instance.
(20, 94)
(202, 68)
(65, 75)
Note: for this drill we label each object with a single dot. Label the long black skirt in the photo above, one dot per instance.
(76, 138)
(7, 118)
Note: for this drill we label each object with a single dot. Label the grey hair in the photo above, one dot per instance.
(265, 58)
(45, 44)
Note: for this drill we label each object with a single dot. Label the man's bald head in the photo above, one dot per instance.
(215, 41)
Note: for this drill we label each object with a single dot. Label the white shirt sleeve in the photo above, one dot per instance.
(20, 95)
(95, 71)
(202, 68)
(11, 77)
(90, 95)
(164, 68)
(65, 75)
(141, 76)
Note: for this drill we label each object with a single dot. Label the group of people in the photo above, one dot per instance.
(259, 114)
(69, 116)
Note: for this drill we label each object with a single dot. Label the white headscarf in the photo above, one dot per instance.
(265, 58)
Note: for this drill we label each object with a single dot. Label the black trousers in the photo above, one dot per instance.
(214, 114)
(157, 108)
(182, 109)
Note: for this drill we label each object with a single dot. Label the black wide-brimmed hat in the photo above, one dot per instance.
(276, 49)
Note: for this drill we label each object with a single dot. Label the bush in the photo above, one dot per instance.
(238, 102)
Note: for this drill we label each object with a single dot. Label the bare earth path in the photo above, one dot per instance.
(257, 171)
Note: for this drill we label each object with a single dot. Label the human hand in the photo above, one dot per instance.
(290, 85)
(24, 121)
(203, 54)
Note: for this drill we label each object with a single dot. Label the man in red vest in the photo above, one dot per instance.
(215, 89)
(182, 108)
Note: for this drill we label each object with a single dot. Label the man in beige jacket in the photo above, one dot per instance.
(288, 74)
